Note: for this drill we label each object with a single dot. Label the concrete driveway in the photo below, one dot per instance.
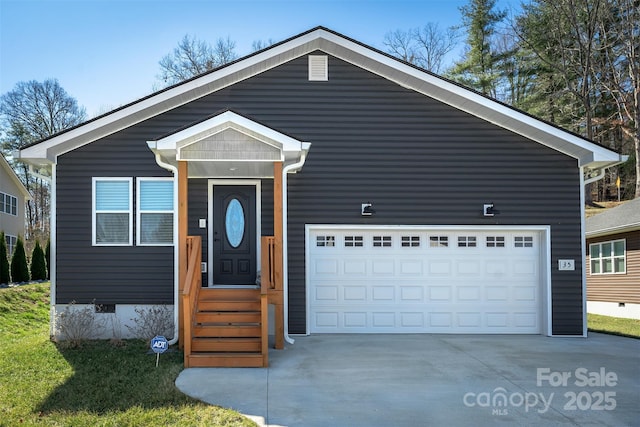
(422, 380)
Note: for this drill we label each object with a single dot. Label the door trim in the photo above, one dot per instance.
(211, 184)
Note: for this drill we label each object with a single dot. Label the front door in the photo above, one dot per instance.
(234, 235)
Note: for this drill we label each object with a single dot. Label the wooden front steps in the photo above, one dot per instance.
(227, 329)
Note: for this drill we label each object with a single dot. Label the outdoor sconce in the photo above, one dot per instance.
(367, 209)
(490, 210)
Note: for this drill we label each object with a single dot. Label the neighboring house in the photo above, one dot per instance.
(365, 195)
(13, 196)
(613, 261)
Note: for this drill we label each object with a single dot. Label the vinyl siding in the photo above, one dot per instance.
(617, 287)
(418, 161)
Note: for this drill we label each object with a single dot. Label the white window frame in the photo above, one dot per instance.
(610, 256)
(11, 242)
(139, 210)
(6, 200)
(95, 212)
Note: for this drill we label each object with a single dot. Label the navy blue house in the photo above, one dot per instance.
(398, 201)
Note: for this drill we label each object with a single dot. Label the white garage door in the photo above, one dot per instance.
(392, 280)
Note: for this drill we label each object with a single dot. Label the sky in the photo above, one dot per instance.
(105, 53)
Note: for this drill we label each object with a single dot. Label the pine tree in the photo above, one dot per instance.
(38, 267)
(47, 255)
(4, 260)
(19, 267)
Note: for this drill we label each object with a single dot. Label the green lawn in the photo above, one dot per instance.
(99, 384)
(614, 325)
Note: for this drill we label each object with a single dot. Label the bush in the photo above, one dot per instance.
(152, 321)
(47, 255)
(19, 267)
(38, 267)
(77, 325)
(4, 260)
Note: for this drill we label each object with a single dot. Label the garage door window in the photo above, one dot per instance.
(322, 241)
(410, 241)
(438, 241)
(353, 241)
(523, 242)
(381, 241)
(466, 241)
(495, 241)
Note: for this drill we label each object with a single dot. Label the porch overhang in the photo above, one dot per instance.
(229, 145)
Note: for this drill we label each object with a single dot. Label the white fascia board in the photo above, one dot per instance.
(613, 230)
(12, 175)
(228, 120)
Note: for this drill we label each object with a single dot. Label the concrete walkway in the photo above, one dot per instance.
(422, 380)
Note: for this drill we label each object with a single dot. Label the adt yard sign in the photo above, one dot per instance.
(159, 345)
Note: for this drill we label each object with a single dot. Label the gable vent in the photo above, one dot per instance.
(318, 68)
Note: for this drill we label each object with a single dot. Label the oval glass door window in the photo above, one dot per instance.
(234, 223)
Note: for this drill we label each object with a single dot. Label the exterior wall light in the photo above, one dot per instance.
(367, 209)
(490, 210)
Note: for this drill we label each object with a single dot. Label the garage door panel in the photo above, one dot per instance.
(422, 281)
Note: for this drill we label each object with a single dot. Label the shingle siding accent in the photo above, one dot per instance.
(418, 161)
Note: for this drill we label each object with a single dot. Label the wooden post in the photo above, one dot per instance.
(279, 244)
(183, 212)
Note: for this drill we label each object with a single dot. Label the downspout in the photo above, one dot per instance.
(285, 258)
(176, 257)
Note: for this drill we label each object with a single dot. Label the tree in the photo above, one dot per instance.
(426, 47)
(261, 44)
(47, 256)
(588, 70)
(480, 69)
(193, 57)
(38, 267)
(30, 112)
(4, 260)
(19, 267)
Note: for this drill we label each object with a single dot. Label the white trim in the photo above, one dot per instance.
(12, 175)
(93, 210)
(612, 257)
(53, 250)
(544, 232)
(139, 210)
(583, 251)
(587, 153)
(211, 184)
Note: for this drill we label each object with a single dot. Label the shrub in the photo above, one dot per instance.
(19, 267)
(152, 321)
(38, 267)
(47, 255)
(4, 260)
(77, 325)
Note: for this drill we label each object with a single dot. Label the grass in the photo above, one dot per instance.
(614, 325)
(98, 384)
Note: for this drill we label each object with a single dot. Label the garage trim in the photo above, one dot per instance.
(545, 256)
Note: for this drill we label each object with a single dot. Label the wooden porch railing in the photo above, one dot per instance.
(193, 284)
(271, 283)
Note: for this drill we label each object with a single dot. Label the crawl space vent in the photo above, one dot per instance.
(318, 68)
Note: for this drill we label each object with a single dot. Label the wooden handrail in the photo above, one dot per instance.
(191, 290)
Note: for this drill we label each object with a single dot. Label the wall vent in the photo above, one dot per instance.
(318, 68)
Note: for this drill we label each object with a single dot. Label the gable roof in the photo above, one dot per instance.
(14, 178)
(620, 219)
(587, 153)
